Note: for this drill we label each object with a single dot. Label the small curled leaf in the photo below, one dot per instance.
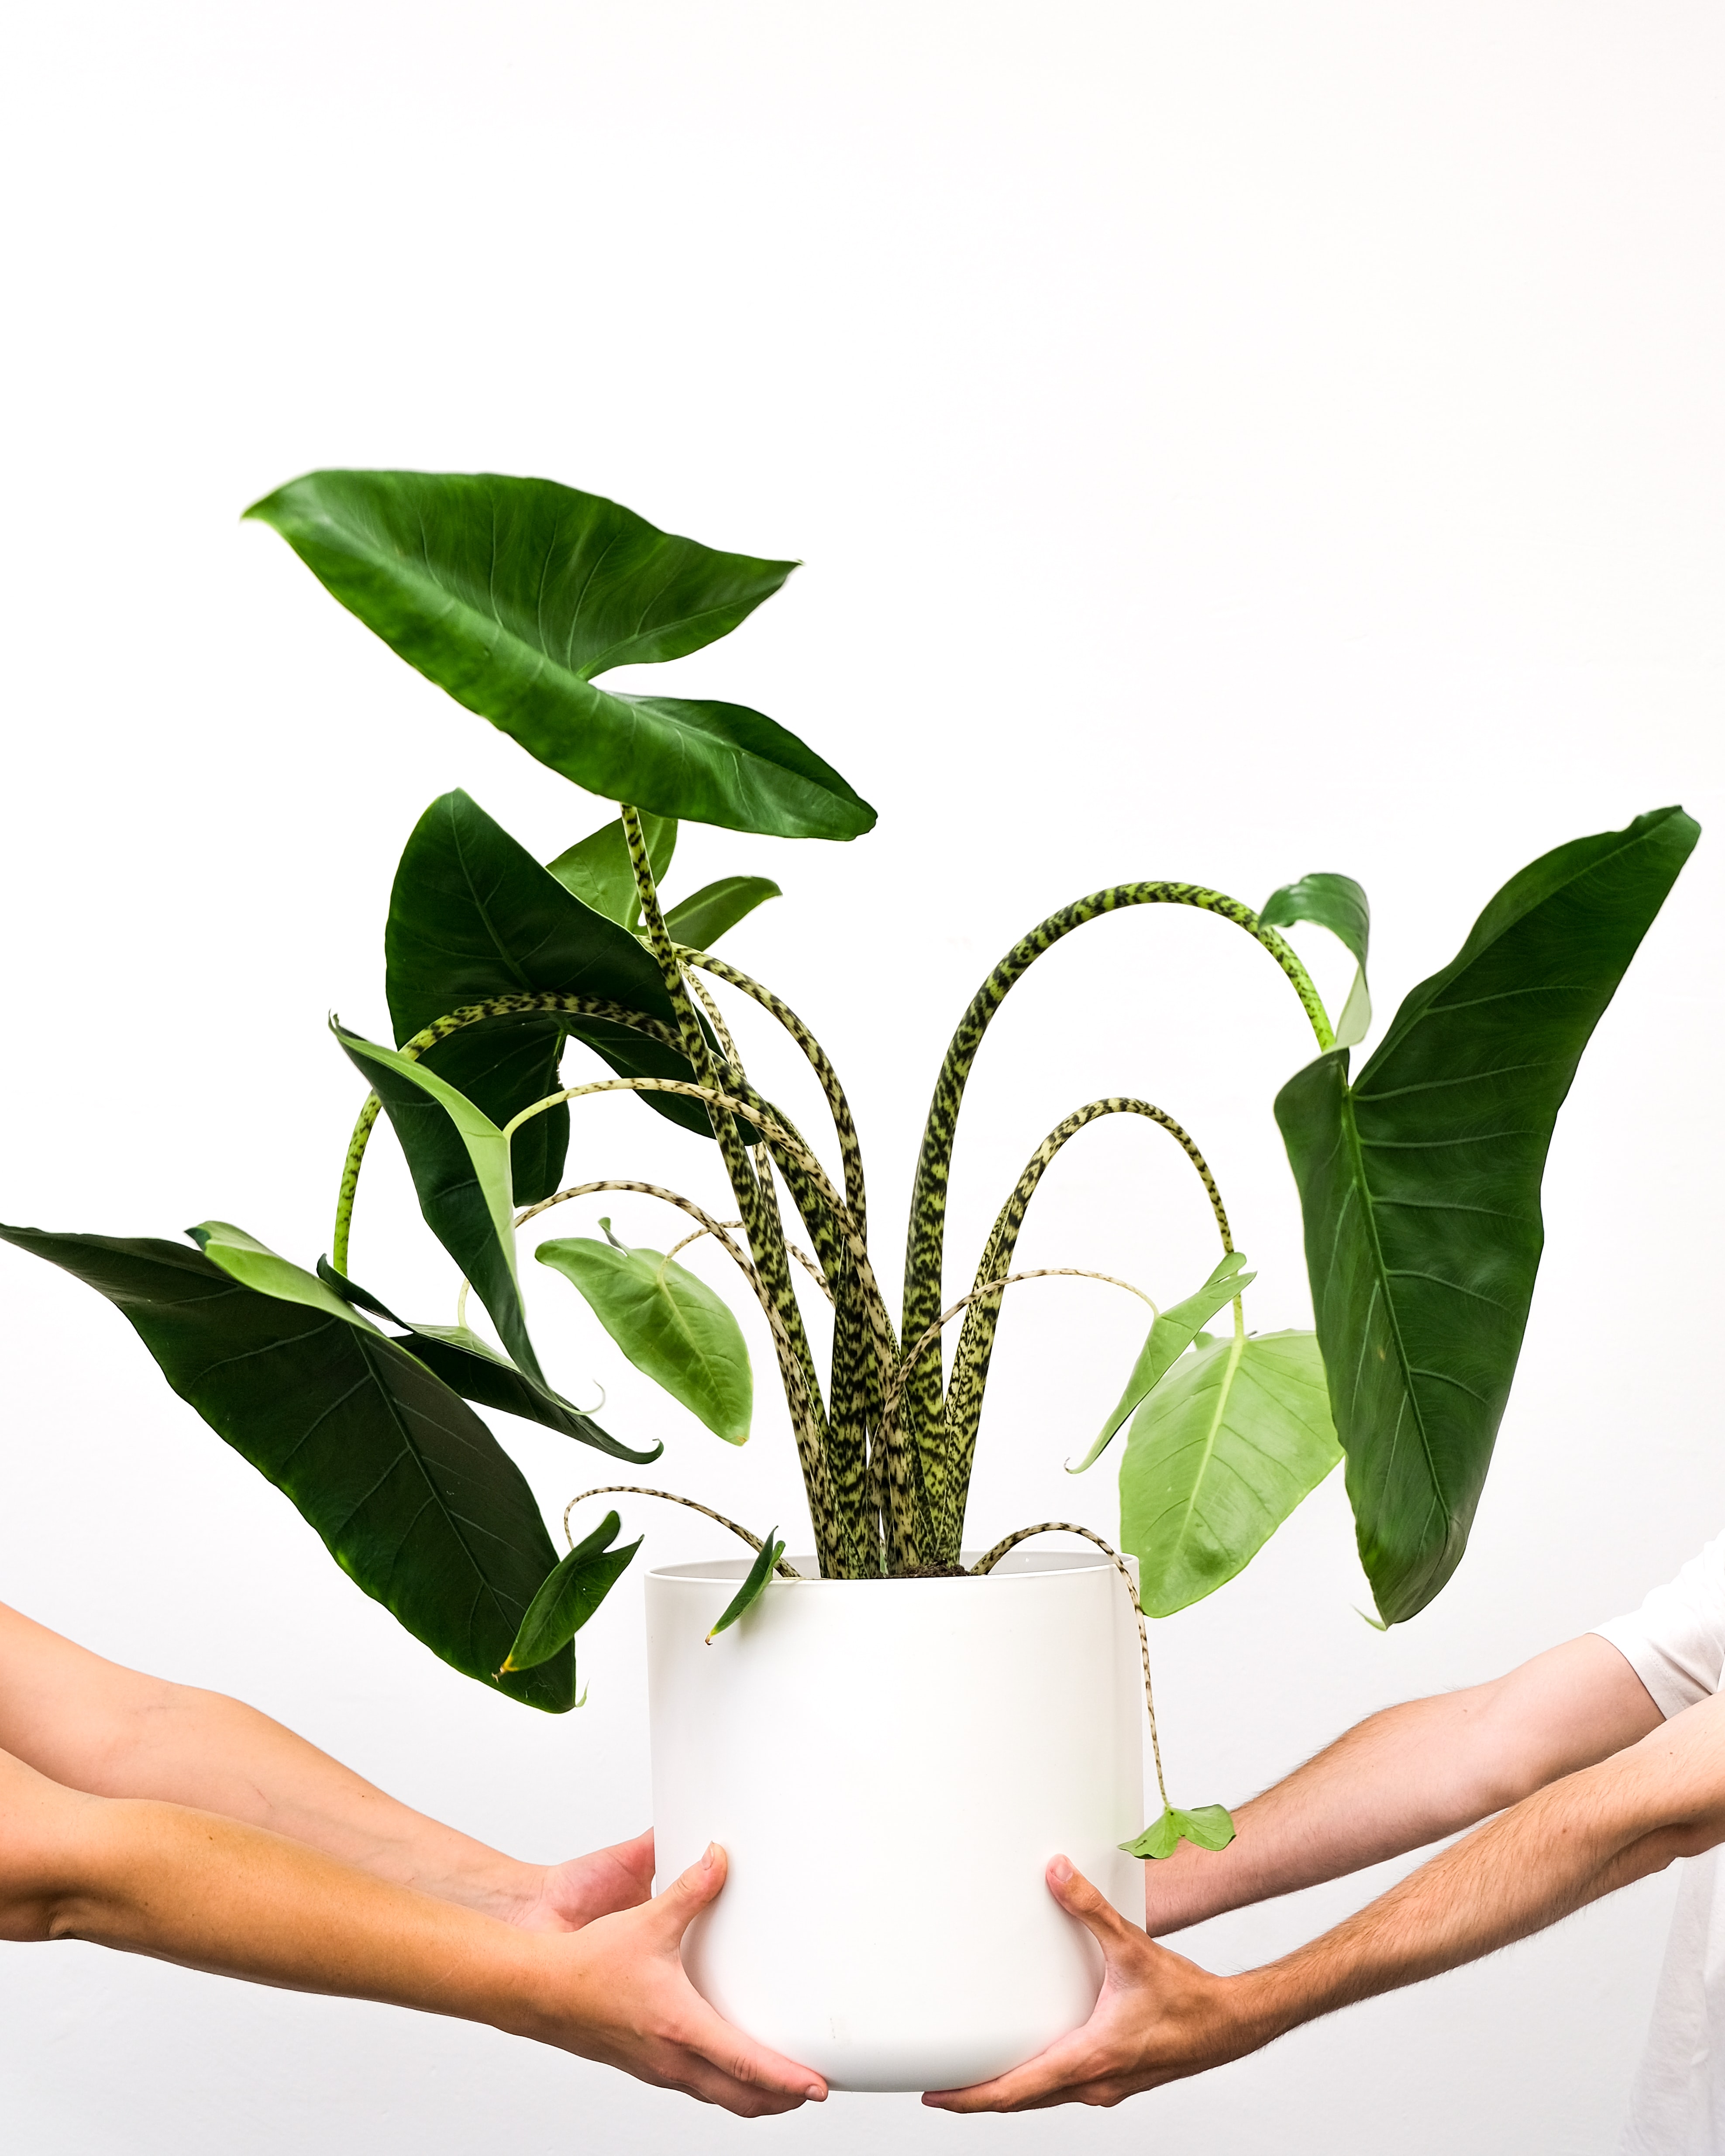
(760, 1572)
(1210, 1827)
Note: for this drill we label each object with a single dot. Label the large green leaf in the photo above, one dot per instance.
(473, 915)
(459, 1159)
(469, 1366)
(512, 595)
(1217, 1457)
(1337, 903)
(416, 1502)
(1419, 1185)
(700, 919)
(599, 872)
(668, 1323)
(1172, 1332)
(570, 1595)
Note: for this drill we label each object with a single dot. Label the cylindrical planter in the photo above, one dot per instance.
(890, 1765)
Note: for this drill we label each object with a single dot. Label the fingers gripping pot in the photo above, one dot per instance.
(890, 1765)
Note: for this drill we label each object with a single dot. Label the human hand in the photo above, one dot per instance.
(620, 1994)
(1158, 2018)
(598, 1885)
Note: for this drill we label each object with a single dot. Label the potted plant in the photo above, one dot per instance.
(891, 1733)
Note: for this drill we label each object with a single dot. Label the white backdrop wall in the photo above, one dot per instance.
(1224, 443)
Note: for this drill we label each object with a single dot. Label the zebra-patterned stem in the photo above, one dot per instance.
(963, 1405)
(516, 1005)
(639, 1490)
(760, 1214)
(922, 1424)
(844, 1123)
(987, 1563)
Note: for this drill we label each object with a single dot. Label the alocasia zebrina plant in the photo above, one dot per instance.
(1419, 1178)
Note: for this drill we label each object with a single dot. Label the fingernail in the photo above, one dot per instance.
(1060, 1868)
(815, 2093)
(711, 1857)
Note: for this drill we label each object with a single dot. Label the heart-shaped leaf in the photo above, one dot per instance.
(512, 595)
(414, 1498)
(668, 1323)
(700, 921)
(1419, 1184)
(1217, 1457)
(1209, 1827)
(1171, 1334)
(599, 872)
(759, 1572)
(459, 1162)
(473, 915)
(1337, 903)
(469, 1366)
(569, 1596)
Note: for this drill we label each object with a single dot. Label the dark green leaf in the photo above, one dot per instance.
(569, 1596)
(598, 871)
(1337, 903)
(668, 1323)
(469, 1366)
(473, 915)
(1217, 1457)
(1209, 1827)
(700, 921)
(759, 1572)
(416, 1501)
(1420, 1189)
(459, 1162)
(512, 595)
(1171, 1334)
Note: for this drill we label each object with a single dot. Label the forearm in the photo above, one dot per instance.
(1409, 1776)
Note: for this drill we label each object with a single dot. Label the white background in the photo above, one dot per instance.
(1224, 443)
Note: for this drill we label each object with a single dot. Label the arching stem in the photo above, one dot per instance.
(670, 1497)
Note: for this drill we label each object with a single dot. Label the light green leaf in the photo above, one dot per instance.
(700, 921)
(569, 1596)
(1209, 1827)
(1172, 1333)
(1419, 1183)
(513, 594)
(597, 869)
(668, 1323)
(1218, 1457)
(759, 1572)
(255, 1264)
(461, 1164)
(1337, 903)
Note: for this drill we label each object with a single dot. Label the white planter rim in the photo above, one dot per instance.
(1016, 1565)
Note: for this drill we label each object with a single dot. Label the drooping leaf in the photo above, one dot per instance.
(598, 868)
(512, 595)
(1337, 903)
(470, 1366)
(1419, 1184)
(1209, 1827)
(459, 1162)
(570, 1595)
(414, 1498)
(759, 1572)
(473, 915)
(1171, 1334)
(670, 1324)
(700, 921)
(1217, 1457)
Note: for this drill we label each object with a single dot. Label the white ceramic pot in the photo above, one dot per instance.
(890, 1765)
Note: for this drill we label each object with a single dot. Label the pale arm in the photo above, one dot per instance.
(1410, 1776)
(188, 1887)
(93, 1725)
(1160, 2017)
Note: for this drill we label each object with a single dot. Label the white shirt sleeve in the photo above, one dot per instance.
(1674, 1642)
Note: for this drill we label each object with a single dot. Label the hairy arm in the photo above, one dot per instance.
(93, 1725)
(1410, 1776)
(1161, 2017)
(212, 1893)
